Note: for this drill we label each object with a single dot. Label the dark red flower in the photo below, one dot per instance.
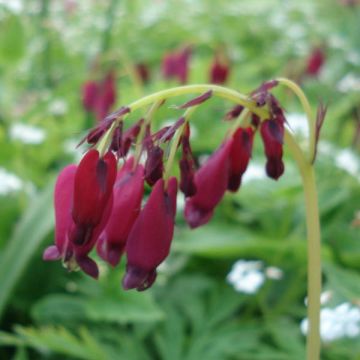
(239, 156)
(272, 133)
(89, 95)
(128, 193)
(211, 182)
(67, 230)
(187, 165)
(143, 72)
(154, 166)
(106, 96)
(150, 238)
(176, 65)
(93, 183)
(219, 70)
(315, 62)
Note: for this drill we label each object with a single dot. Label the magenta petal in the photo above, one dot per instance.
(88, 265)
(150, 238)
(211, 181)
(51, 253)
(128, 193)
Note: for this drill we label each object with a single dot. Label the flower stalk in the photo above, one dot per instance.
(148, 245)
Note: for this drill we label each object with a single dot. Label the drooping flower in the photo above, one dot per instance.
(176, 65)
(98, 97)
(219, 70)
(315, 62)
(272, 135)
(150, 238)
(73, 253)
(93, 183)
(142, 70)
(211, 182)
(128, 193)
(240, 154)
(187, 165)
(89, 94)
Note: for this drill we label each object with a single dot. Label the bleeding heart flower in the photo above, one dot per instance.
(150, 238)
(128, 193)
(211, 182)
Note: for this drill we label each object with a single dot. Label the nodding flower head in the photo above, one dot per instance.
(315, 62)
(211, 182)
(176, 65)
(240, 154)
(82, 207)
(219, 70)
(149, 241)
(128, 193)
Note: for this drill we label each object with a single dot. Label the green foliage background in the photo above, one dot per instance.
(47, 51)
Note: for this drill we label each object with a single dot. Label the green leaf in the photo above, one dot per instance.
(130, 307)
(33, 227)
(343, 281)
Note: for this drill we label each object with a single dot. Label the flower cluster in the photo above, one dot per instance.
(99, 206)
(343, 321)
(248, 276)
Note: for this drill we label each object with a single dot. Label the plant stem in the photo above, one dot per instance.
(307, 108)
(313, 246)
(314, 263)
(219, 91)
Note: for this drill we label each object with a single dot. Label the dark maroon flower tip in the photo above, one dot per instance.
(315, 62)
(116, 142)
(219, 70)
(138, 279)
(196, 101)
(320, 117)
(88, 265)
(187, 165)
(93, 183)
(167, 133)
(90, 91)
(234, 112)
(239, 156)
(272, 133)
(143, 72)
(129, 137)
(154, 166)
(128, 193)
(211, 181)
(150, 237)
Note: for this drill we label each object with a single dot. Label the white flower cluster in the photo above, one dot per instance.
(336, 323)
(27, 134)
(249, 276)
(9, 182)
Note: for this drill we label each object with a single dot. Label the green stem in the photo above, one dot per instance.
(148, 118)
(314, 247)
(219, 91)
(307, 108)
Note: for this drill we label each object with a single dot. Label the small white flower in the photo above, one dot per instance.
(336, 323)
(27, 134)
(9, 182)
(246, 276)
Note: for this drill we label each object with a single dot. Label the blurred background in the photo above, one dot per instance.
(234, 289)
